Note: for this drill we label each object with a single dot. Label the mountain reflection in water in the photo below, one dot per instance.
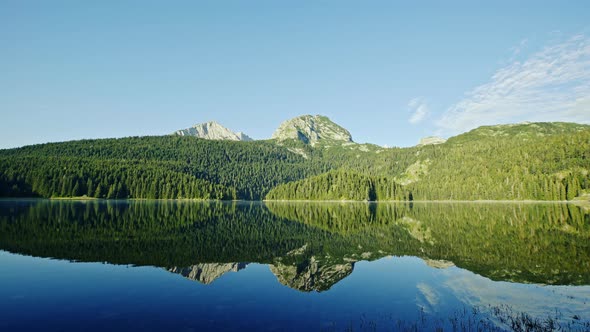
(308, 246)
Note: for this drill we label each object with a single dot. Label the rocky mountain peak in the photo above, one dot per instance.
(431, 140)
(213, 131)
(310, 129)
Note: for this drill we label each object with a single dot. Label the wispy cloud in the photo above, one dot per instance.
(516, 50)
(477, 291)
(551, 85)
(427, 296)
(419, 110)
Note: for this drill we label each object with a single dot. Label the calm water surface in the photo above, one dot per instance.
(192, 266)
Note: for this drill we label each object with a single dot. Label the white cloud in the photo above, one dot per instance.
(551, 85)
(419, 110)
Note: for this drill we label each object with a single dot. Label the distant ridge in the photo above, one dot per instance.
(524, 131)
(213, 131)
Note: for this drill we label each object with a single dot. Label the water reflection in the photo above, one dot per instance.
(531, 243)
(309, 247)
(206, 273)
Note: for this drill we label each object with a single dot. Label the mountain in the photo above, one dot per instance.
(213, 131)
(310, 129)
(531, 161)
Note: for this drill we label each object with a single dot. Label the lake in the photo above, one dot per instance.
(194, 266)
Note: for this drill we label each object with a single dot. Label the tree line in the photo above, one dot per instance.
(341, 185)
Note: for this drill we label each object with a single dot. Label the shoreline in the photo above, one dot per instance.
(488, 201)
(574, 201)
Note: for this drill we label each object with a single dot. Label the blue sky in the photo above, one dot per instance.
(390, 72)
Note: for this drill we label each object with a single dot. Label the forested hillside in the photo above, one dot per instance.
(535, 161)
(151, 167)
(541, 161)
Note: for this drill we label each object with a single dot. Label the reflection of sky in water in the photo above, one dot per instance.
(536, 300)
(50, 294)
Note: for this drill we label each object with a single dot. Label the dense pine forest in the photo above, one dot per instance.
(166, 167)
(538, 161)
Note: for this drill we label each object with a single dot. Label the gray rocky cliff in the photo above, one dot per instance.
(213, 131)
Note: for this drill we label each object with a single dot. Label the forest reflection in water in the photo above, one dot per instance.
(310, 246)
